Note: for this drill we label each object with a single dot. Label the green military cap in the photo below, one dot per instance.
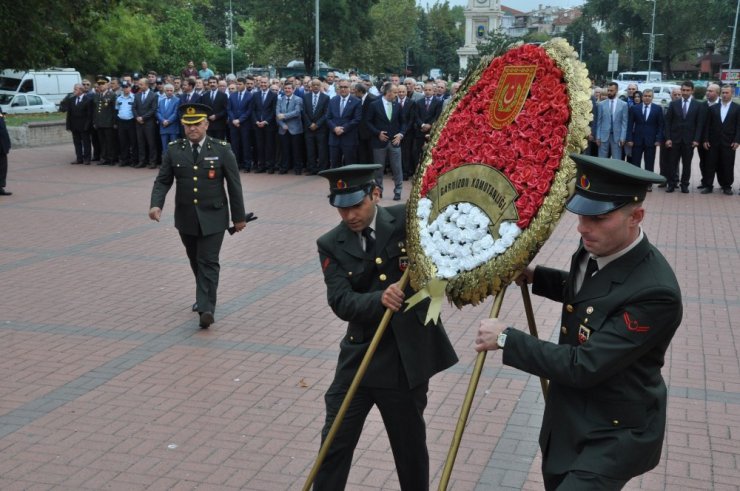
(194, 113)
(350, 184)
(603, 185)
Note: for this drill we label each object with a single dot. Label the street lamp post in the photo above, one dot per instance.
(651, 49)
(318, 63)
(734, 35)
(231, 35)
(580, 54)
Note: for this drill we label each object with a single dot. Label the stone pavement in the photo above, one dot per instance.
(106, 381)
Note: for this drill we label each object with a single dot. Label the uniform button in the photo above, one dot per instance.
(564, 330)
(569, 308)
(195, 167)
(195, 190)
(195, 178)
(351, 338)
(349, 274)
(615, 422)
(590, 310)
(378, 260)
(383, 277)
(195, 201)
(403, 250)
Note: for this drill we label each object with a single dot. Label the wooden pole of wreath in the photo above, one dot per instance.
(467, 402)
(532, 326)
(353, 388)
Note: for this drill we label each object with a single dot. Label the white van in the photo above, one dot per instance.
(54, 83)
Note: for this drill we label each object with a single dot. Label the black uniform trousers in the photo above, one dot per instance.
(683, 152)
(129, 153)
(317, 150)
(582, 481)
(203, 253)
(3, 168)
(402, 410)
(291, 152)
(721, 160)
(108, 146)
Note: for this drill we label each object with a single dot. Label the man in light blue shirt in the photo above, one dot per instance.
(126, 127)
(205, 73)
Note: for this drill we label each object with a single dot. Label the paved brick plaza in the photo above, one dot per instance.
(106, 381)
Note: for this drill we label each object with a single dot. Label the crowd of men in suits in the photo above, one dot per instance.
(633, 129)
(298, 124)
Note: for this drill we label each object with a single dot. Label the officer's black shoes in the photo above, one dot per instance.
(206, 319)
(396, 197)
(3, 192)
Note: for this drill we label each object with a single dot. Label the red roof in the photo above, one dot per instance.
(511, 11)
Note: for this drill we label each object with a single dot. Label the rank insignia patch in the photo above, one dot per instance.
(403, 263)
(583, 334)
(211, 173)
(633, 325)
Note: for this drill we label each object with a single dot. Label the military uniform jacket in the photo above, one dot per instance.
(105, 109)
(200, 198)
(606, 406)
(355, 282)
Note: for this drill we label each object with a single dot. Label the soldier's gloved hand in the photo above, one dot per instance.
(393, 297)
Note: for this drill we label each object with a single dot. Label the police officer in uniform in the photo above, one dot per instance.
(363, 259)
(200, 165)
(605, 410)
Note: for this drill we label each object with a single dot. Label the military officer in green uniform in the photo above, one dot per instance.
(200, 165)
(605, 411)
(104, 120)
(363, 259)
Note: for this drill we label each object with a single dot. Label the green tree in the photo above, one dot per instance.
(391, 38)
(183, 38)
(593, 54)
(445, 35)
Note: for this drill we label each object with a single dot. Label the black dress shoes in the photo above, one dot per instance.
(206, 319)
(396, 197)
(727, 191)
(670, 188)
(685, 189)
(3, 192)
(706, 190)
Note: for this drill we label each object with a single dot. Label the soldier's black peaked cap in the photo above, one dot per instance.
(350, 184)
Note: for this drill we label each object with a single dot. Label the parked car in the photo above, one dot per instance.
(26, 103)
(54, 83)
(661, 91)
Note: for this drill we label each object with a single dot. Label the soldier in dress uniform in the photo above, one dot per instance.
(200, 165)
(104, 120)
(605, 410)
(363, 259)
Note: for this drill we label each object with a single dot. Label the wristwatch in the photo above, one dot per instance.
(501, 340)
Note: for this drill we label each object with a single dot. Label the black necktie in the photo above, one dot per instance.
(644, 112)
(369, 240)
(591, 268)
(195, 152)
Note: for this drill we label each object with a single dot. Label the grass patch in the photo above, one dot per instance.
(21, 119)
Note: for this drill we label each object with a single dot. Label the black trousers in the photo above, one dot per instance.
(341, 155)
(683, 152)
(402, 411)
(363, 153)
(203, 251)
(265, 143)
(108, 144)
(721, 160)
(407, 154)
(291, 148)
(83, 145)
(582, 481)
(146, 138)
(317, 150)
(128, 152)
(649, 152)
(241, 146)
(3, 169)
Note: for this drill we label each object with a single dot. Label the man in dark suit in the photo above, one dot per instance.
(264, 102)
(345, 113)
(385, 122)
(201, 166)
(710, 99)
(4, 151)
(315, 112)
(645, 130)
(364, 136)
(289, 117)
(426, 113)
(721, 139)
(407, 108)
(79, 121)
(188, 92)
(684, 123)
(218, 102)
(605, 409)
(145, 112)
(362, 259)
(240, 118)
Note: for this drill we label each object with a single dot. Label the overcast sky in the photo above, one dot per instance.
(523, 5)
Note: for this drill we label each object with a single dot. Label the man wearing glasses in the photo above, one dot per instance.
(344, 118)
